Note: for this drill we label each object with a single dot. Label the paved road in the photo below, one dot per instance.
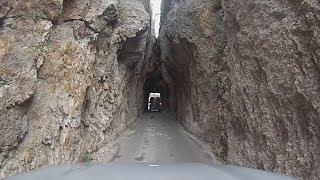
(156, 139)
(159, 139)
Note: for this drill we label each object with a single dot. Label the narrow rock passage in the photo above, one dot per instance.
(157, 138)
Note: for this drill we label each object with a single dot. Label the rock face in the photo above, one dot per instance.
(67, 85)
(245, 78)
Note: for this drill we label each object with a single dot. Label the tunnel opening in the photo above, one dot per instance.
(155, 83)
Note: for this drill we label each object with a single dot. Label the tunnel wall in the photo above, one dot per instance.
(69, 77)
(245, 79)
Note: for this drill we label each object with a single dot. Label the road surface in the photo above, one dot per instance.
(157, 138)
(145, 152)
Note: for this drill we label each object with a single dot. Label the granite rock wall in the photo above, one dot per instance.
(246, 76)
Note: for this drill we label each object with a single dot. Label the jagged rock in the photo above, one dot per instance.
(111, 15)
(245, 76)
(63, 89)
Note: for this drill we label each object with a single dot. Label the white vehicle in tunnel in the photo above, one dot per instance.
(154, 102)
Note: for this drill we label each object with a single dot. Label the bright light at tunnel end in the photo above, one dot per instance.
(156, 15)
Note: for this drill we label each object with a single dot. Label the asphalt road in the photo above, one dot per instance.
(157, 138)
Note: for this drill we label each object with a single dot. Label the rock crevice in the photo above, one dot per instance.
(242, 76)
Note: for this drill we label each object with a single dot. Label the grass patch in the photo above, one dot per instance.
(2, 82)
(87, 157)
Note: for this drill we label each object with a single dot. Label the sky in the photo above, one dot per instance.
(156, 10)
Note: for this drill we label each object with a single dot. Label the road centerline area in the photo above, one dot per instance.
(157, 138)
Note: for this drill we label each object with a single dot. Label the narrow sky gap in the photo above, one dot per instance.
(156, 13)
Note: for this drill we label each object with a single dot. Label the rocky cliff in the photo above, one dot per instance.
(69, 74)
(245, 77)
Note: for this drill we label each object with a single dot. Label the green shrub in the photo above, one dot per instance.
(87, 157)
(2, 82)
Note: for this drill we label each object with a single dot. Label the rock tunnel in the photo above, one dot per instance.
(153, 79)
(156, 84)
(241, 76)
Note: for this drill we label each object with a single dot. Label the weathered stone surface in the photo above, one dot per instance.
(64, 91)
(245, 76)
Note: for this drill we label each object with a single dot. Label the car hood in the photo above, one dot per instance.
(112, 171)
